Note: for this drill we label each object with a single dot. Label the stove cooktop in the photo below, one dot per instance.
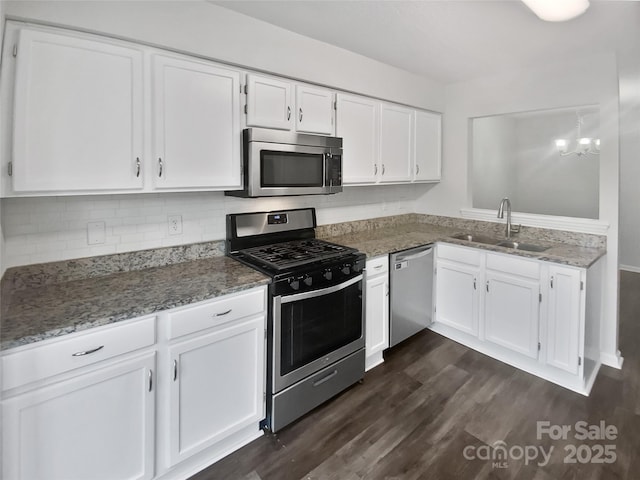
(285, 255)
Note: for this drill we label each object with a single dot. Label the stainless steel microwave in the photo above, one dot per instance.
(285, 163)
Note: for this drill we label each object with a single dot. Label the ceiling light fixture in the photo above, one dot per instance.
(557, 10)
(584, 145)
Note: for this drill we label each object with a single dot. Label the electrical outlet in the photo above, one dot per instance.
(95, 233)
(175, 224)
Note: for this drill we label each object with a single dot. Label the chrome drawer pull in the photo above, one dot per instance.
(175, 370)
(87, 352)
(223, 313)
(150, 380)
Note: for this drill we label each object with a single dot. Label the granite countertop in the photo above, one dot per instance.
(38, 313)
(381, 241)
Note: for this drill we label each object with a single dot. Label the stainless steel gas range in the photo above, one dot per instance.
(316, 318)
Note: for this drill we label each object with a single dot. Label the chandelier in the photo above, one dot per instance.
(583, 146)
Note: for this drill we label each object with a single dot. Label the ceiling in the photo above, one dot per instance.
(452, 40)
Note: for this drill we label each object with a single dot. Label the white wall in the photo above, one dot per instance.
(548, 183)
(494, 172)
(629, 161)
(581, 81)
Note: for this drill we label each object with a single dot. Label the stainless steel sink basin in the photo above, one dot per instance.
(476, 238)
(529, 247)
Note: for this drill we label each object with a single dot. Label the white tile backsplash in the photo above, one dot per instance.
(46, 229)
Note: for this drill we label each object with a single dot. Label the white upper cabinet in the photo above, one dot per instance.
(314, 110)
(357, 124)
(196, 119)
(396, 143)
(78, 114)
(269, 103)
(428, 146)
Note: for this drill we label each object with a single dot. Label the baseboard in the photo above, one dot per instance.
(630, 268)
(612, 360)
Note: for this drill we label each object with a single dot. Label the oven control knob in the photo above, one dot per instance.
(294, 284)
(346, 269)
(328, 274)
(308, 281)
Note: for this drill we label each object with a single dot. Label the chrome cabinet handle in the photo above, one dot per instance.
(87, 352)
(137, 167)
(551, 282)
(222, 314)
(474, 284)
(288, 113)
(150, 379)
(378, 267)
(417, 169)
(383, 168)
(375, 168)
(300, 118)
(160, 167)
(487, 285)
(175, 370)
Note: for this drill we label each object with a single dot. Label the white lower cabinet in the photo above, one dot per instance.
(376, 310)
(217, 386)
(565, 307)
(535, 315)
(213, 392)
(512, 312)
(94, 422)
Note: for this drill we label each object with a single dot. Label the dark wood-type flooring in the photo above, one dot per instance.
(413, 416)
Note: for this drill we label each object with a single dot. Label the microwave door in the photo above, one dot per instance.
(277, 169)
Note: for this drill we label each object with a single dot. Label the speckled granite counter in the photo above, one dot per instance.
(35, 313)
(386, 239)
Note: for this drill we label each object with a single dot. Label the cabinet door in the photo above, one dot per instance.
(396, 143)
(99, 425)
(357, 124)
(314, 110)
(512, 312)
(428, 138)
(78, 114)
(196, 111)
(377, 314)
(217, 386)
(563, 318)
(269, 103)
(457, 296)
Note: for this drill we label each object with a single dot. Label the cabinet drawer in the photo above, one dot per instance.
(513, 265)
(459, 254)
(216, 312)
(75, 351)
(377, 265)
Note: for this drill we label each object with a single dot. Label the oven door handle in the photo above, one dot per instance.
(318, 293)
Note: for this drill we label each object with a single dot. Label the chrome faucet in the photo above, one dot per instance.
(510, 228)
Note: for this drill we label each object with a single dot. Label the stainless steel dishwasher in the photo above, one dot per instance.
(411, 292)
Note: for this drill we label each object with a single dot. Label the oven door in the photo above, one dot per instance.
(314, 329)
(282, 169)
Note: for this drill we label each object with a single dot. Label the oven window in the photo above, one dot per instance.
(291, 169)
(317, 326)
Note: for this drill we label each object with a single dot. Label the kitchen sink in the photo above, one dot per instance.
(470, 237)
(529, 247)
(476, 238)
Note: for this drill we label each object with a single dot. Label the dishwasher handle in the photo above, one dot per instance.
(403, 257)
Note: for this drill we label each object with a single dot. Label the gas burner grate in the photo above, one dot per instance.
(298, 252)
